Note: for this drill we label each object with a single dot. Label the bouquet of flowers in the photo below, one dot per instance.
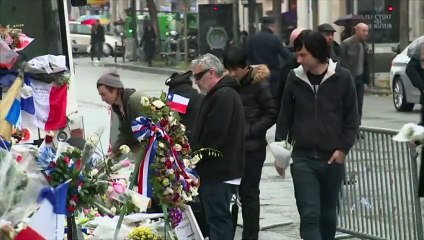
(89, 186)
(19, 183)
(163, 136)
(14, 38)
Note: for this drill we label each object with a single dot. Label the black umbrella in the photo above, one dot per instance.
(350, 19)
(416, 49)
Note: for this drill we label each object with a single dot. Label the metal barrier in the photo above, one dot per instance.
(379, 197)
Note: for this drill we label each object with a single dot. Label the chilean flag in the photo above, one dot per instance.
(46, 107)
(48, 222)
(177, 103)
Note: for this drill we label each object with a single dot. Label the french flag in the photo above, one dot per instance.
(45, 108)
(48, 222)
(177, 103)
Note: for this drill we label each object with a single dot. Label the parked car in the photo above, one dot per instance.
(81, 34)
(405, 95)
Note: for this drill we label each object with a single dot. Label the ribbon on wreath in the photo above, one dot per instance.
(144, 129)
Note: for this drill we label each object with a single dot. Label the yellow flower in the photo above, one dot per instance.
(177, 147)
(165, 182)
(145, 101)
(158, 104)
(124, 149)
(94, 172)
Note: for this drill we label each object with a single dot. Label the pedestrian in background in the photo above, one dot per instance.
(266, 48)
(97, 41)
(219, 126)
(319, 113)
(328, 31)
(148, 42)
(260, 112)
(354, 51)
(182, 85)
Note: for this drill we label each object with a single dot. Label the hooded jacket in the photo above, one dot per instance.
(260, 108)
(220, 126)
(320, 122)
(182, 85)
(132, 109)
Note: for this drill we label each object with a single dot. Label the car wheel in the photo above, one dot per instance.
(107, 50)
(399, 99)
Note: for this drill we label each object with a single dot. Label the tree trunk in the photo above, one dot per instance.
(252, 16)
(236, 26)
(276, 10)
(153, 12)
(404, 24)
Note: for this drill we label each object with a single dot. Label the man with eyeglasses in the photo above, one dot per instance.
(219, 126)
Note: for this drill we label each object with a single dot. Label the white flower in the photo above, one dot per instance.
(172, 121)
(70, 149)
(186, 162)
(171, 159)
(170, 171)
(94, 139)
(161, 145)
(124, 149)
(94, 172)
(194, 191)
(186, 198)
(158, 104)
(145, 101)
(177, 147)
(168, 190)
(183, 127)
(195, 159)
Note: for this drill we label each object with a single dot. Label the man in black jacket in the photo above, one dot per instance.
(415, 72)
(319, 112)
(220, 126)
(182, 85)
(328, 31)
(266, 48)
(260, 112)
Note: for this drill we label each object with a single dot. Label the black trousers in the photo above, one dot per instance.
(249, 192)
(216, 200)
(317, 186)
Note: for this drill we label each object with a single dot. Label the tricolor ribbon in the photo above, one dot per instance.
(144, 129)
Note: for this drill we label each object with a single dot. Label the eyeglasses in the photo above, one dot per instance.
(198, 76)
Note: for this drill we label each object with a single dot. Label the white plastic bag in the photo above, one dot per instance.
(410, 132)
(47, 64)
(282, 155)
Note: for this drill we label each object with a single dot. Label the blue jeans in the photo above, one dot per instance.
(216, 200)
(317, 186)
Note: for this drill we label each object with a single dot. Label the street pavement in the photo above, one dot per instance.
(279, 217)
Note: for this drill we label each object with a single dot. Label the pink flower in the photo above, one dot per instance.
(86, 211)
(125, 163)
(118, 188)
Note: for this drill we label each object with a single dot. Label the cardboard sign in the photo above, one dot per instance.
(188, 228)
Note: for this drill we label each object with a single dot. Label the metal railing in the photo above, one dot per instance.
(379, 197)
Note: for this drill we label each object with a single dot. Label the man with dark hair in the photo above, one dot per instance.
(260, 112)
(266, 48)
(219, 126)
(319, 113)
(328, 31)
(125, 103)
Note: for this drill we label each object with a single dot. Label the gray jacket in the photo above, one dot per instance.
(350, 57)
